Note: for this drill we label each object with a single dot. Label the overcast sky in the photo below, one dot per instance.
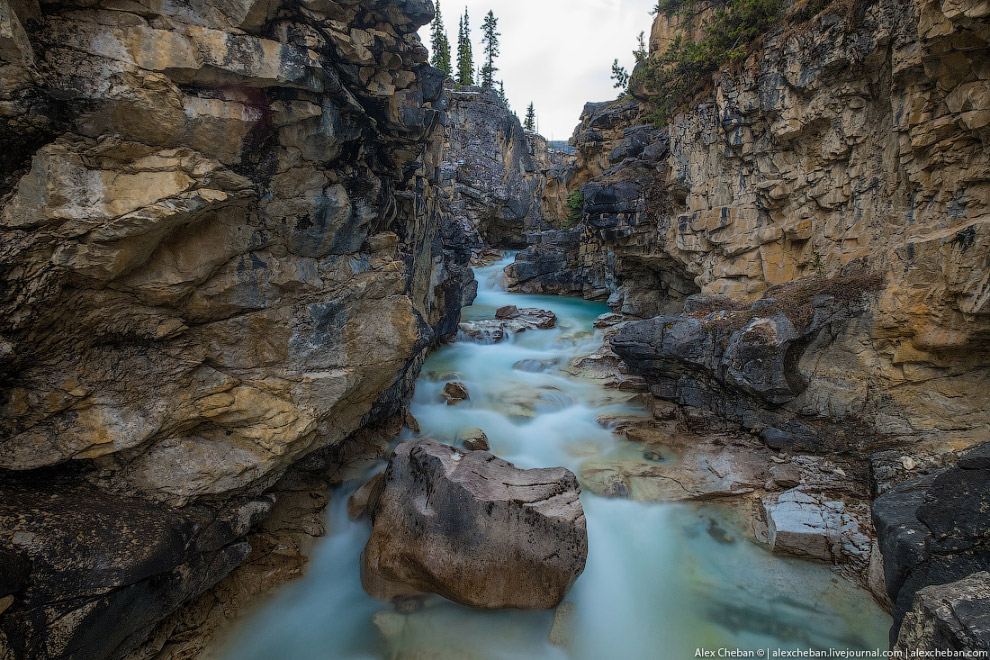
(556, 53)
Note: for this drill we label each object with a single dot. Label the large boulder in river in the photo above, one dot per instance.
(474, 529)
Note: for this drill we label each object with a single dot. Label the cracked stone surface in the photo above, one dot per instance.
(474, 529)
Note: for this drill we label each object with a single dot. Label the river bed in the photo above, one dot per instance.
(662, 580)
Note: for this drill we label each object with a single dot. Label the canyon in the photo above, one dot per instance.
(231, 234)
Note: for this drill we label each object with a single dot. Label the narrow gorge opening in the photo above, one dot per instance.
(318, 341)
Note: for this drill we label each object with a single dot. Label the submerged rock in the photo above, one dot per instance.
(534, 366)
(474, 439)
(679, 467)
(474, 529)
(524, 401)
(508, 321)
(455, 393)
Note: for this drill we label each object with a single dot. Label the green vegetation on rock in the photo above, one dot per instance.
(670, 76)
(575, 209)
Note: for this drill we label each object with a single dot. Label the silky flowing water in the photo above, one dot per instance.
(658, 583)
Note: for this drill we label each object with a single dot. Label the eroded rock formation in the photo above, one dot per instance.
(500, 181)
(474, 529)
(854, 144)
(949, 617)
(220, 252)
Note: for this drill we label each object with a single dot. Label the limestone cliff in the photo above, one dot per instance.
(220, 252)
(500, 182)
(845, 148)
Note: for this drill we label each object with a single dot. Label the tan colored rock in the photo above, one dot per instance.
(474, 439)
(528, 542)
(365, 497)
(192, 278)
(455, 393)
(785, 170)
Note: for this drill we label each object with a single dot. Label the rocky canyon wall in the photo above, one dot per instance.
(220, 252)
(500, 182)
(849, 153)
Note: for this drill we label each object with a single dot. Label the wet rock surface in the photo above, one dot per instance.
(474, 439)
(679, 467)
(455, 393)
(474, 529)
(755, 366)
(90, 576)
(511, 321)
(813, 527)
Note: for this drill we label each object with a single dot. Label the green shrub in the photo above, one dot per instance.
(673, 74)
(575, 206)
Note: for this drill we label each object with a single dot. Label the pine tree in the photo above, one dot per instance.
(440, 44)
(490, 39)
(620, 76)
(530, 123)
(465, 56)
(501, 94)
(641, 53)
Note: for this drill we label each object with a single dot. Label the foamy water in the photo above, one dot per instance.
(658, 583)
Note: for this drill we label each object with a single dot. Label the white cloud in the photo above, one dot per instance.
(556, 53)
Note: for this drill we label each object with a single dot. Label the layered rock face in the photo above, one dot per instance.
(851, 145)
(220, 251)
(474, 529)
(500, 181)
(765, 366)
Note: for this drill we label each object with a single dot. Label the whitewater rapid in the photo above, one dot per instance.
(659, 584)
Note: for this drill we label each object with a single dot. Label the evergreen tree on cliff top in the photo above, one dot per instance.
(440, 44)
(490, 39)
(465, 57)
(501, 94)
(530, 123)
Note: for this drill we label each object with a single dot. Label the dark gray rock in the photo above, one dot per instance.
(91, 574)
(493, 170)
(949, 617)
(511, 322)
(746, 374)
(548, 266)
(934, 530)
(634, 141)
